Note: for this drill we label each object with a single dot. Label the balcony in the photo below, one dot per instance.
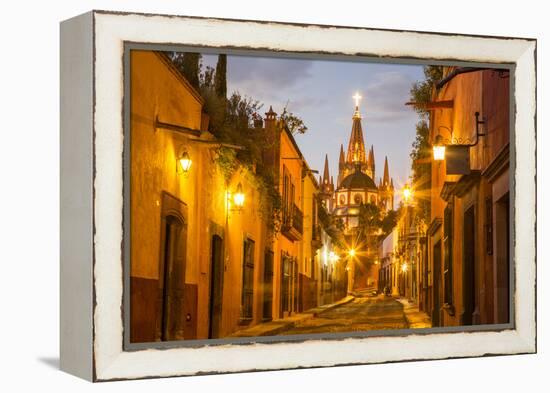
(293, 223)
(316, 241)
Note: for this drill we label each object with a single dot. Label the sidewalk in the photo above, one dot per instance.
(416, 319)
(280, 325)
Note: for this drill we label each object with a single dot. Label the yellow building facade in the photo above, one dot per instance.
(203, 262)
(186, 232)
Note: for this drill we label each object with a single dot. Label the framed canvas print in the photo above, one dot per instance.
(246, 195)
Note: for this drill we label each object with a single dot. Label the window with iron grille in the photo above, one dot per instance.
(448, 258)
(248, 280)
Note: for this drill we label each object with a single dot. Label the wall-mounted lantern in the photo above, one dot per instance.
(438, 149)
(235, 200)
(456, 150)
(184, 163)
(238, 197)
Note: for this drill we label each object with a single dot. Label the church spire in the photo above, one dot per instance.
(326, 177)
(370, 161)
(386, 180)
(342, 159)
(356, 147)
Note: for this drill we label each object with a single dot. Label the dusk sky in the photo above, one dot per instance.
(320, 93)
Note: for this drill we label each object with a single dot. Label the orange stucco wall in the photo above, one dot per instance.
(486, 92)
(157, 91)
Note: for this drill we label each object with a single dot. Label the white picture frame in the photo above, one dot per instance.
(92, 274)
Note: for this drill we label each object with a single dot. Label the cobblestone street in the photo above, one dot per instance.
(363, 313)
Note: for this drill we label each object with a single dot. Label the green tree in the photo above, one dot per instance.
(220, 80)
(388, 222)
(189, 64)
(294, 123)
(421, 93)
(369, 218)
(232, 122)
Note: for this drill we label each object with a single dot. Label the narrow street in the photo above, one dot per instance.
(363, 313)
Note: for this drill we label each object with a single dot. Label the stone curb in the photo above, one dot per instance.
(322, 309)
(415, 319)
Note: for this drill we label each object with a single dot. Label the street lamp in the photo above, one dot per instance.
(407, 192)
(351, 252)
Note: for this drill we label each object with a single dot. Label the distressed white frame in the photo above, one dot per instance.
(110, 31)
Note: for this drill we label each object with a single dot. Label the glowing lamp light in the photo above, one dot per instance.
(351, 252)
(404, 267)
(407, 193)
(238, 197)
(185, 162)
(438, 149)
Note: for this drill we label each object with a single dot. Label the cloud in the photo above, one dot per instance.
(386, 97)
(301, 103)
(261, 74)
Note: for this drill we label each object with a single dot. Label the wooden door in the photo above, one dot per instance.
(216, 286)
(436, 311)
(172, 279)
(469, 268)
(268, 286)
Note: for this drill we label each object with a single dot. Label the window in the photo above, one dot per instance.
(248, 280)
(286, 282)
(288, 195)
(448, 250)
(286, 181)
(358, 199)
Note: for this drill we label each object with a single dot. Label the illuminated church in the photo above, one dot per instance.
(355, 183)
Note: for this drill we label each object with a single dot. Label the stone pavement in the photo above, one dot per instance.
(278, 326)
(362, 314)
(416, 319)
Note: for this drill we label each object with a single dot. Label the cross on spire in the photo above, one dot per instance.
(357, 98)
